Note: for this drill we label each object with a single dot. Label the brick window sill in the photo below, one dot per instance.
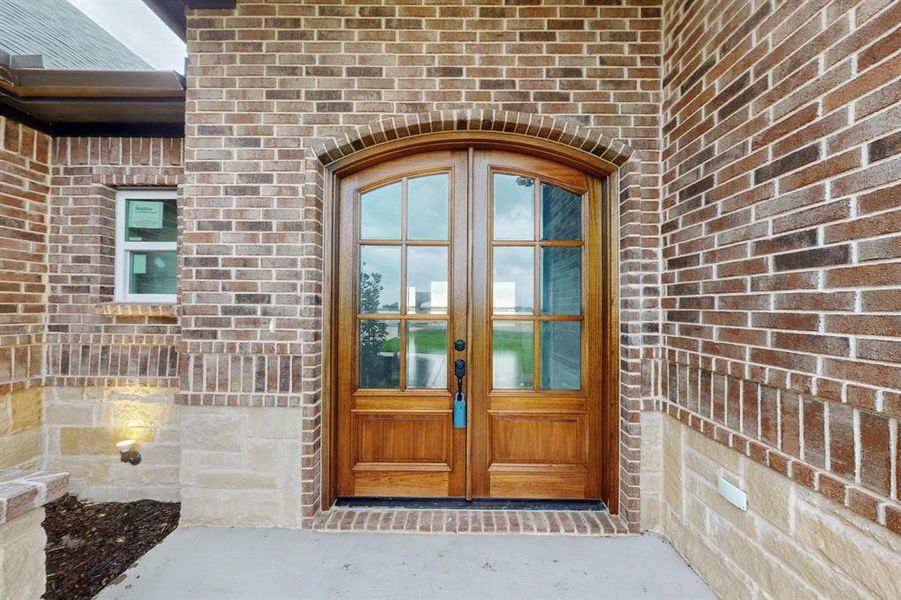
(126, 309)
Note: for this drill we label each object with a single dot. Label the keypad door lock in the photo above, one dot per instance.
(459, 396)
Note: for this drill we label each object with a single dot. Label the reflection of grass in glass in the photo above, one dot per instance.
(432, 340)
(516, 349)
(391, 345)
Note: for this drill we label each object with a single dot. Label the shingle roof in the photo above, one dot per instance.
(63, 35)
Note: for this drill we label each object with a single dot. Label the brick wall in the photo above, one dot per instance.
(89, 341)
(779, 230)
(272, 81)
(24, 185)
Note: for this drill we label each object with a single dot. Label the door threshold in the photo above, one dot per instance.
(463, 504)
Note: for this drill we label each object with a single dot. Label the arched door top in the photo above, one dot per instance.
(581, 146)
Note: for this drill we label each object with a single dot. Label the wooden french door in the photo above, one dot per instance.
(487, 257)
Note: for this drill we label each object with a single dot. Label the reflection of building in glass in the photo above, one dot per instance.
(433, 301)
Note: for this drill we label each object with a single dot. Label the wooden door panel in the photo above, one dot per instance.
(405, 483)
(402, 439)
(537, 439)
(541, 440)
(395, 431)
(508, 481)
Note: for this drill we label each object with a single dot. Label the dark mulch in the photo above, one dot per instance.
(89, 545)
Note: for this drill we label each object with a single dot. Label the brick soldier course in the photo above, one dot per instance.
(756, 147)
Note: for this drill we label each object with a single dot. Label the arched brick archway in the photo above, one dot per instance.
(542, 127)
(591, 146)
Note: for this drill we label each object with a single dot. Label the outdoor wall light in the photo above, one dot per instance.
(128, 452)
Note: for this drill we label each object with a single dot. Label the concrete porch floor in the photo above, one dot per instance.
(269, 564)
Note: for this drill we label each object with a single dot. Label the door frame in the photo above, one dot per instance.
(604, 174)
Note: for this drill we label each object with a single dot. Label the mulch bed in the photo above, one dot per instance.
(89, 545)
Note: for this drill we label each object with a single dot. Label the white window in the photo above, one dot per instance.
(146, 231)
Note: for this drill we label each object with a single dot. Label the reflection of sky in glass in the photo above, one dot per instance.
(514, 208)
(427, 207)
(513, 283)
(386, 261)
(380, 213)
(427, 279)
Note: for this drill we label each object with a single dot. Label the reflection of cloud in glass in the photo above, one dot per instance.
(427, 207)
(513, 280)
(380, 213)
(514, 208)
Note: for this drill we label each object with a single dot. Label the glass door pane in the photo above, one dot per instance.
(561, 353)
(426, 354)
(512, 355)
(427, 280)
(561, 281)
(404, 276)
(379, 279)
(379, 354)
(513, 276)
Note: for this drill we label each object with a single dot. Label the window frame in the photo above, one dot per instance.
(123, 247)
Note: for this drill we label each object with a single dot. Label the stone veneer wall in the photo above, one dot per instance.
(22, 556)
(240, 466)
(83, 424)
(791, 543)
(781, 289)
(24, 187)
(22, 538)
(275, 87)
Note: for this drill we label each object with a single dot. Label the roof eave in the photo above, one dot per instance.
(172, 12)
(99, 103)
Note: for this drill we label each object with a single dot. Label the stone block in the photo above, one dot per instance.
(88, 440)
(768, 573)
(26, 409)
(727, 458)
(21, 450)
(240, 480)
(771, 496)
(6, 417)
(672, 464)
(810, 567)
(69, 414)
(230, 508)
(873, 566)
(22, 570)
(281, 423)
(206, 430)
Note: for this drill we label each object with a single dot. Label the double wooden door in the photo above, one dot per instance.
(488, 257)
